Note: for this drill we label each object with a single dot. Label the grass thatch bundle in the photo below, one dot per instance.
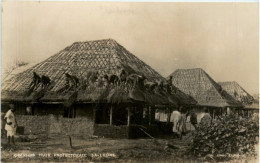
(118, 95)
(71, 100)
(137, 94)
(29, 92)
(104, 93)
(37, 95)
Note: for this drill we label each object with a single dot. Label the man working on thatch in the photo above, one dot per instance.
(11, 124)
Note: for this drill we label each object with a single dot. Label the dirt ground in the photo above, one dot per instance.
(56, 148)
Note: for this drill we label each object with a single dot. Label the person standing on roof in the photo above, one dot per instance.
(11, 123)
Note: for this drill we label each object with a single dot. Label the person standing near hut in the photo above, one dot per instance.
(193, 119)
(182, 124)
(11, 123)
(28, 110)
(178, 120)
(206, 119)
(175, 116)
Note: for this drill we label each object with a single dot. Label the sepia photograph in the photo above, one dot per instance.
(88, 81)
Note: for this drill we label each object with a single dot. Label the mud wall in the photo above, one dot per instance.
(50, 124)
(110, 131)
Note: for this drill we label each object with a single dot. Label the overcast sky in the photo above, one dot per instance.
(221, 38)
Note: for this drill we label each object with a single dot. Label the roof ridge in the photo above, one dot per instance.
(228, 82)
(197, 68)
(100, 40)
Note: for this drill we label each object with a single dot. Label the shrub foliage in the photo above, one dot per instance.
(226, 135)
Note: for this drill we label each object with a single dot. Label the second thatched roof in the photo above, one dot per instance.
(198, 84)
(240, 94)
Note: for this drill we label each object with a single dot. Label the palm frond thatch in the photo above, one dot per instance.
(118, 95)
(71, 100)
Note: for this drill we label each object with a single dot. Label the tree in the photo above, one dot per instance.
(12, 66)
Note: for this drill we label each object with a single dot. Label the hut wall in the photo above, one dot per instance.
(38, 109)
(44, 123)
(110, 131)
(80, 112)
(42, 109)
(20, 108)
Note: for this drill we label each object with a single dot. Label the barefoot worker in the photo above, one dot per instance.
(11, 123)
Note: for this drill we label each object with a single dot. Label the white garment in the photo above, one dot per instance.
(10, 118)
(10, 132)
(157, 116)
(206, 118)
(175, 116)
(162, 117)
(188, 119)
(199, 116)
(228, 111)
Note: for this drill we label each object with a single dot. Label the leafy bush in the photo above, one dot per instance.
(226, 135)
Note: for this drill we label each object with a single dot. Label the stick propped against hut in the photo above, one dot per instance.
(98, 80)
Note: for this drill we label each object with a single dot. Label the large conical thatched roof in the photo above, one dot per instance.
(80, 58)
(198, 84)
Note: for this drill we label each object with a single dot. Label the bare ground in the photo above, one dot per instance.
(93, 149)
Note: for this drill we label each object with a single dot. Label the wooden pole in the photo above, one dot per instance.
(111, 115)
(73, 112)
(168, 115)
(150, 115)
(94, 115)
(128, 116)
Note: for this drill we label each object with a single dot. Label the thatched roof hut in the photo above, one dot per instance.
(197, 83)
(237, 92)
(83, 59)
(240, 94)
